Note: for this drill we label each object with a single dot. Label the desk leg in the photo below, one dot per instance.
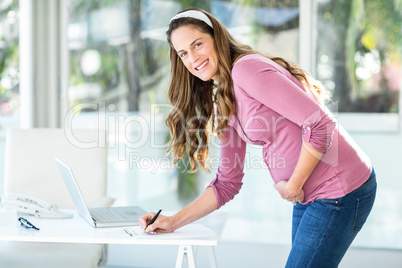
(212, 258)
(185, 251)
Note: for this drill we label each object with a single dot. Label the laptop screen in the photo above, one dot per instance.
(74, 190)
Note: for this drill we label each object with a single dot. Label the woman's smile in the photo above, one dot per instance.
(197, 52)
(200, 68)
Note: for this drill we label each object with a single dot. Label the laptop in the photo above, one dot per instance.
(98, 217)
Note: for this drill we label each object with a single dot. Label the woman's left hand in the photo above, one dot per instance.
(288, 192)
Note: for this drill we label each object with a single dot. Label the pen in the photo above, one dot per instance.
(128, 232)
(153, 219)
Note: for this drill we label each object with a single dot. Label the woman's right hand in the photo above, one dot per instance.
(162, 224)
(203, 205)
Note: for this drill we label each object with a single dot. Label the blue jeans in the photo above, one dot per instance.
(323, 230)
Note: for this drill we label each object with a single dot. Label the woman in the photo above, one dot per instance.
(271, 102)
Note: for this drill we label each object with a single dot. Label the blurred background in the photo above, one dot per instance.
(104, 64)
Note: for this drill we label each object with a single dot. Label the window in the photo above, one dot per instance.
(119, 52)
(119, 71)
(9, 73)
(358, 58)
(9, 62)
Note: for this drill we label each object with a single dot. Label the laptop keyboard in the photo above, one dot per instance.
(107, 215)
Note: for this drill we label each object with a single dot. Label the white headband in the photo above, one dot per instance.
(195, 15)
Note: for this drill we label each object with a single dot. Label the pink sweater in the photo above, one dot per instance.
(274, 111)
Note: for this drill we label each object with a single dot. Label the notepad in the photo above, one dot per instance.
(188, 231)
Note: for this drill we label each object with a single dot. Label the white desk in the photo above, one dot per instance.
(76, 230)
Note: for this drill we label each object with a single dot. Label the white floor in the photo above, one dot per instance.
(241, 255)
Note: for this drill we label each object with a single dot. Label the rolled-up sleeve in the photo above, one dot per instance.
(287, 98)
(317, 130)
(228, 180)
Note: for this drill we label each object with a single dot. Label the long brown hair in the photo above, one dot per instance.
(194, 100)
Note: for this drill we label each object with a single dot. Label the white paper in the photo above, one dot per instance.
(187, 231)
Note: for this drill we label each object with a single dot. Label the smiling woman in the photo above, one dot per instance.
(324, 173)
(196, 50)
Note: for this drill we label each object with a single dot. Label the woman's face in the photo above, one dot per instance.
(196, 50)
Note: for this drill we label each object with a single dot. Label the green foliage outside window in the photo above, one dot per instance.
(9, 60)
